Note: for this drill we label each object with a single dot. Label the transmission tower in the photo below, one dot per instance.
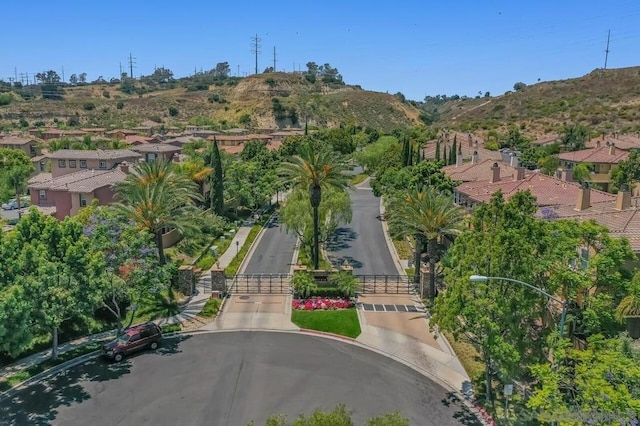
(606, 52)
(132, 64)
(255, 48)
(274, 59)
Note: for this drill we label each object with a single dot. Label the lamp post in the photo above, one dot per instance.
(237, 247)
(563, 316)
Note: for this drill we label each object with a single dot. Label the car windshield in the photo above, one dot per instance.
(123, 339)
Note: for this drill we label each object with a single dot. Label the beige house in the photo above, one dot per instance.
(602, 160)
(67, 161)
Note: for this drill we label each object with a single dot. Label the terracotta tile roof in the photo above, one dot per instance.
(15, 140)
(180, 140)
(274, 145)
(480, 171)
(137, 139)
(84, 181)
(232, 149)
(98, 154)
(548, 190)
(621, 223)
(544, 140)
(155, 147)
(241, 138)
(291, 132)
(94, 129)
(40, 177)
(624, 142)
(603, 154)
(122, 131)
(150, 123)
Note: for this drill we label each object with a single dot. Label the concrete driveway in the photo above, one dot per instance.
(254, 312)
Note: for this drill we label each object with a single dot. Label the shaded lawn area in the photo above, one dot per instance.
(343, 322)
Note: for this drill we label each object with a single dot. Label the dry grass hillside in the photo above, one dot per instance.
(265, 100)
(604, 100)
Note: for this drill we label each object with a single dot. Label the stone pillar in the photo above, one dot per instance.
(218, 278)
(299, 268)
(186, 280)
(424, 281)
(347, 268)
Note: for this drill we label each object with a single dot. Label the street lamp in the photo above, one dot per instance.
(237, 247)
(482, 278)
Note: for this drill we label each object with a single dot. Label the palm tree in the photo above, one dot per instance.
(156, 195)
(314, 169)
(428, 215)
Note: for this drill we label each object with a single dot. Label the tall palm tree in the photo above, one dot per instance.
(156, 195)
(314, 168)
(427, 215)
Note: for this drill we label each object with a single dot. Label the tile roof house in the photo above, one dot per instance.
(235, 144)
(602, 158)
(66, 161)
(155, 151)
(623, 142)
(70, 192)
(30, 146)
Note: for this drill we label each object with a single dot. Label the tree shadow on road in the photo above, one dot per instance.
(463, 414)
(340, 239)
(39, 403)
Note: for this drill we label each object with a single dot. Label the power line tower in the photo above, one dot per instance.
(132, 64)
(274, 59)
(255, 48)
(606, 52)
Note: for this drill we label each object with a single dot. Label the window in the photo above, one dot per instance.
(83, 200)
(42, 166)
(72, 164)
(43, 194)
(62, 163)
(32, 150)
(83, 164)
(102, 164)
(134, 338)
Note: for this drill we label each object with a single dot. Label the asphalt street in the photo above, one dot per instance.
(273, 253)
(230, 379)
(362, 242)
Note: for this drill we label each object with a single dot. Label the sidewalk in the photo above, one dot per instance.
(188, 313)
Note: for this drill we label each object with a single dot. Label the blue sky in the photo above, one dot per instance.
(415, 47)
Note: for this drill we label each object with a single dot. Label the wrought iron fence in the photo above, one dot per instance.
(260, 284)
(389, 284)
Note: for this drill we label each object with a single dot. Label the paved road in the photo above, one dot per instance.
(229, 379)
(362, 242)
(274, 252)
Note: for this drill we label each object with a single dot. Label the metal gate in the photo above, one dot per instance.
(389, 284)
(260, 284)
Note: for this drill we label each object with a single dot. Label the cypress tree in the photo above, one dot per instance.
(405, 151)
(452, 153)
(444, 155)
(410, 159)
(217, 185)
(438, 150)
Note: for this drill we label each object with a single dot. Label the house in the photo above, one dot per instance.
(235, 144)
(120, 133)
(180, 141)
(548, 190)
(623, 142)
(139, 140)
(157, 151)
(466, 142)
(30, 146)
(69, 192)
(94, 131)
(602, 159)
(66, 161)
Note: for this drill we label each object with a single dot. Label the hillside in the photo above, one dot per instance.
(261, 101)
(604, 100)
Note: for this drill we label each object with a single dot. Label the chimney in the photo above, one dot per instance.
(495, 173)
(124, 167)
(519, 173)
(475, 145)
(474, 157)
(597, 144)
(513, 162)
(612, 148)
(623, 200)
(470, 139)
(566, 175)
(459, 157)
(584, 197)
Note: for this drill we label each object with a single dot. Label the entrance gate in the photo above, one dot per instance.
(260, 284)
(389, 284)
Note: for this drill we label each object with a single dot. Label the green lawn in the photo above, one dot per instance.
(211, 308)
(343, 322)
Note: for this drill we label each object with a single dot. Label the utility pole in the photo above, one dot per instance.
(255, 48)
(15, 72)
(238, 74)
(606, 52)
(274, 59)
(63, 74)
(131, 65)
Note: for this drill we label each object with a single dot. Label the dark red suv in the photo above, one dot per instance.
(132, 340)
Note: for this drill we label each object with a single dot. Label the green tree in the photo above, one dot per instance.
(15, 169)
(314, 169)
(304, 284)
(627, 172)
(597, 385)
(157, 196)
(581, 172)
(428, 216)
(216, 198)
(574, 137)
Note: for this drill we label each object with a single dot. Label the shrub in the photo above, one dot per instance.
(120, 105)
(304, 284)
(173, 111)
(5, 99)
(206, 262)
(345, 282)
(106, 94)
(88, 106)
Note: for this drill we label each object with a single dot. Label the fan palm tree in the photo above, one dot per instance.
(427, 215)
(156, 195)
(314, 168)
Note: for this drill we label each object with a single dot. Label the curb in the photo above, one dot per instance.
(390, 246)
(254, 244)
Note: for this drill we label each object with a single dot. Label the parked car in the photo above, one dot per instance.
(13, 204)
(134, 339)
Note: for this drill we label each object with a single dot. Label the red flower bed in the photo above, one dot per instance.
(322, 303)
